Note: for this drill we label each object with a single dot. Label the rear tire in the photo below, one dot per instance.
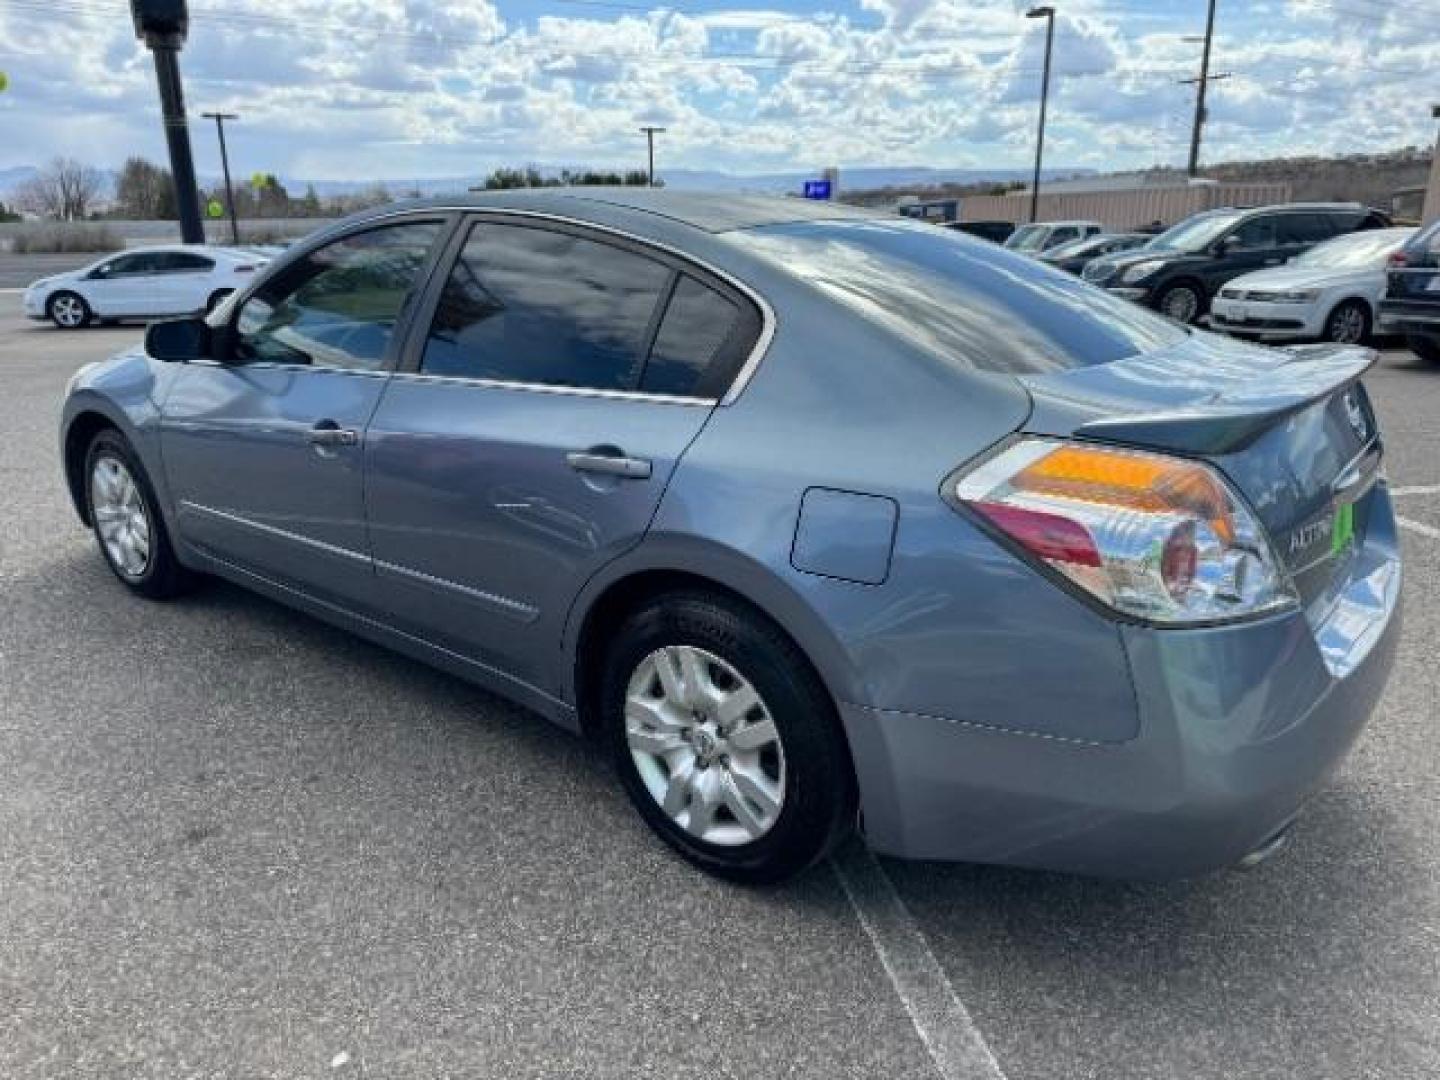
(125, 517)
(1428, 349)
(68, 311)
(1183, 302)
(1349, 324)
(733, 752)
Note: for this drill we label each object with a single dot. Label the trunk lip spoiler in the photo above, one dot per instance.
(1225, 425)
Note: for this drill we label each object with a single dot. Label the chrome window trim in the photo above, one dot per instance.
(552, 388)
(742, 377)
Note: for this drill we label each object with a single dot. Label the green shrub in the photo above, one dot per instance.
(64, 237)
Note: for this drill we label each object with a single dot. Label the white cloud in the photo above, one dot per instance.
(404, 87)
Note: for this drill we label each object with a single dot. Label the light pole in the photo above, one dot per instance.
(1202, 85)
(220, 118)
(1048, 14)
(650, 133)
(163, 25)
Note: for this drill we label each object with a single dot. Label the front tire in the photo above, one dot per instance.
(125, 517)
(1349, 323)
(725, 739)
(1184, 303)
(68, 311)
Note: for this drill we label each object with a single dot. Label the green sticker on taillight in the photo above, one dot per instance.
(1344, 533)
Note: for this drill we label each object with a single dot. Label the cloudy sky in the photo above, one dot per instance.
(392, 89)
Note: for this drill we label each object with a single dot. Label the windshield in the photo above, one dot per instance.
(1196, 233)
(1028, 238)
(970, 304)
(1083, 246)
(1356, 251)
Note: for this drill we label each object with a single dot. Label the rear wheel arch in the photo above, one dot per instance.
(1362, 303)
(608, 603)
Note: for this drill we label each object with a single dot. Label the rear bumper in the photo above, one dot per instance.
(1239, 726)
(1409, 317)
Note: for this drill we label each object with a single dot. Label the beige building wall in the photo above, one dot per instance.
(1432, 197)
(1130, 209)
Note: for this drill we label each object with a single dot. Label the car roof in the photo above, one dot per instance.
(708, 211)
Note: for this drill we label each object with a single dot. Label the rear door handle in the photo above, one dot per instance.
(609, 464)
(329, 433)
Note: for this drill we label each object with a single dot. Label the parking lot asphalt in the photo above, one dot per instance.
(236, 842)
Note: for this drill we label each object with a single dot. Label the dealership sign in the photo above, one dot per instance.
(817, 189)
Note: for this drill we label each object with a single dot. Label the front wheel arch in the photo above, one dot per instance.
(78, 437)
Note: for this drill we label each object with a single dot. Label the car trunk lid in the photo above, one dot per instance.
(1292, 429)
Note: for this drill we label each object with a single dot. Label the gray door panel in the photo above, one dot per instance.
(252, 487)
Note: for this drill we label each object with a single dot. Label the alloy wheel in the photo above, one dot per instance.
(705, 745)
(68, 311)
(120, 516)
(1181, 304)
(1347, 325)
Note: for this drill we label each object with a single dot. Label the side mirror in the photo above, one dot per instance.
(178, 341)
(1226, 246)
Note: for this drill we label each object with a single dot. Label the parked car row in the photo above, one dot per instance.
(143, 283)
(1337, 272)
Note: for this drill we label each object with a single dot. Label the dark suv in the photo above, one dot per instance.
(1179, 271)
(1412, 296)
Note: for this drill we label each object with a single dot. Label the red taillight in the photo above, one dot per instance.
(1047, 536)
(1398, 261)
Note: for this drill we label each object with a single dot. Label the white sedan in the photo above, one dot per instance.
(1330, 293)
(142, 283)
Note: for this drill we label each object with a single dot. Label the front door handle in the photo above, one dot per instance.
(592, 461)
(329, 433)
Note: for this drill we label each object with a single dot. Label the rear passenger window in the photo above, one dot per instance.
(1307, 228)
(698, 326)
(1257, 233)
(181, 261)
(532, 305)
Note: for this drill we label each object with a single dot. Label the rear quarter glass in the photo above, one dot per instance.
(968, 304)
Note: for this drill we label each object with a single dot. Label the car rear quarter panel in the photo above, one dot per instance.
(959, 627)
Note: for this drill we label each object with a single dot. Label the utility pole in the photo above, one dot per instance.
(220, 118)
(1201, 85)
(1047, 13)
(163, 25)
(650, 133)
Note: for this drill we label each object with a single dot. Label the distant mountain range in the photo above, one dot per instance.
(680, 179)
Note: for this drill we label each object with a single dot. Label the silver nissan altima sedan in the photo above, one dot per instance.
(814, 519)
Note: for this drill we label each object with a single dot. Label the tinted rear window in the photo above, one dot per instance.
(971, 304)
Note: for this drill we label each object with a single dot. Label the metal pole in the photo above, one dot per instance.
(177, 136)
(650, 133)
(1200, 92)
(1047, 13)
(220, 119)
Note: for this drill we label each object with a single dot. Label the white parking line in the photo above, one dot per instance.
(940, 1018)
(8, 291)
(1416, 527)
(1423, 489)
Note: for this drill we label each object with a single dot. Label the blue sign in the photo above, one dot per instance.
(817, 189)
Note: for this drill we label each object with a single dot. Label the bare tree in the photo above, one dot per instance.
(64, 189)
